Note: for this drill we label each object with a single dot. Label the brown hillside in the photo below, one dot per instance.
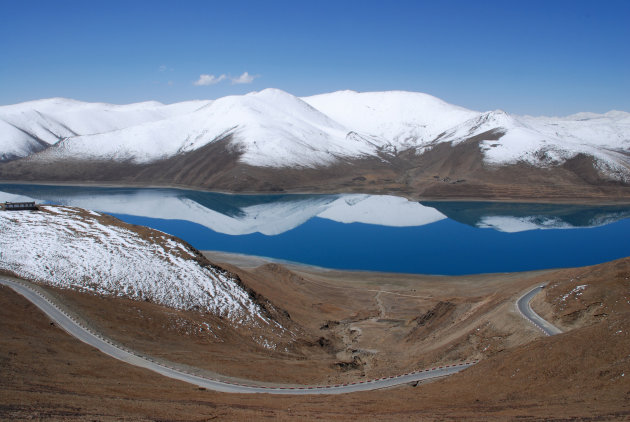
(580, 375)
(443, 171)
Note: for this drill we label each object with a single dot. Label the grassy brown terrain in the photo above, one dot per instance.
(406, 321)
(379, 324)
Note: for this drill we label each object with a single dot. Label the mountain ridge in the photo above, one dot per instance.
(270, 140)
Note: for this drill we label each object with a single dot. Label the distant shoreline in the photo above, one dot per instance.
(563, 201)
(245, 261)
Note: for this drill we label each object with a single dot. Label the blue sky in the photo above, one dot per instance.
(548, 57)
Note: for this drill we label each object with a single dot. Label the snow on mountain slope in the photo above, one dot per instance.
(610, 130)
(404, 119)
(545, 141)
(25, 126)
(272, 128)
(16, 143)
(73, 248)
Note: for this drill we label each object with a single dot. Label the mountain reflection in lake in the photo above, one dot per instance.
(365, 232)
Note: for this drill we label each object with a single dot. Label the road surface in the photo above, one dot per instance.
(524, 307)
(106, 346)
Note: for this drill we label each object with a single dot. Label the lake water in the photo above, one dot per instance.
(365, 232)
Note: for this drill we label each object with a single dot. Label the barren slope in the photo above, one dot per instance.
(580, 375)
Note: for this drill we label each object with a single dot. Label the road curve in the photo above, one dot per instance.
(106, 346)
(524, 307)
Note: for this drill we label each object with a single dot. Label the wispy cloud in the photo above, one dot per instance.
(206, 79)
(209, 80)
(245, 78)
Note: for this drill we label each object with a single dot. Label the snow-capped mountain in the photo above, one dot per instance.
(271, 128)
(396, 118)
(544, 141)
(250, 141)
(32, 126)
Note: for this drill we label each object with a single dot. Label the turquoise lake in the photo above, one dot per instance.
(365, 232)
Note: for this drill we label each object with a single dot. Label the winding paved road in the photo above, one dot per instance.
(524, 307)
(106, 346)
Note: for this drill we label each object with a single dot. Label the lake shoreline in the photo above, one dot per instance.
(362, 232)
(519, 200)
(245, 261)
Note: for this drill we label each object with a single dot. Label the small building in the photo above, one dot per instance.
(19, 206)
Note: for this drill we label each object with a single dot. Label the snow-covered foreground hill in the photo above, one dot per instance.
(274, 129)
(79, 249)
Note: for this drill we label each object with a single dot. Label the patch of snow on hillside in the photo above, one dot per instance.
(577, 291)
(69, 248)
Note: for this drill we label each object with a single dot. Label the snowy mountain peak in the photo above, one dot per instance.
(402, 119)
(498, 118)
(491, 121)
(270, 93)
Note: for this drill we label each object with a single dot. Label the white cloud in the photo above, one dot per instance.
(245, 78)
(209, 80)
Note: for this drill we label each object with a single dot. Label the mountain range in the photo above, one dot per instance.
(397, 142)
